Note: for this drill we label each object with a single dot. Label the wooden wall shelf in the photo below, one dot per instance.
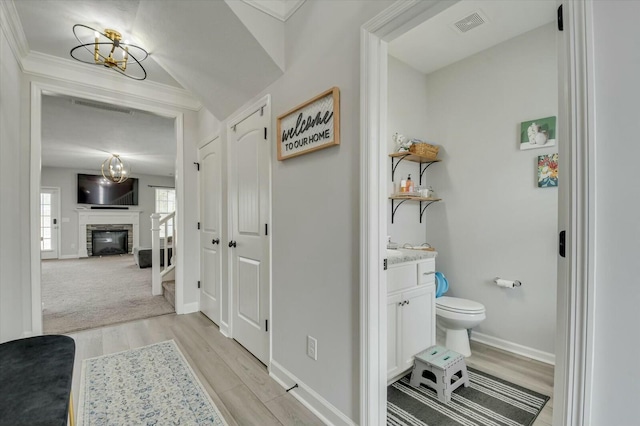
(397, 157)
(427, 201)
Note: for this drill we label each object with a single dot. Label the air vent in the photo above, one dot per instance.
(106, 107)
(470, 22)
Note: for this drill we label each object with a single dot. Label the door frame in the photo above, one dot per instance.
(264, 102)
(58, 230)
(38, 89)
(574, 335)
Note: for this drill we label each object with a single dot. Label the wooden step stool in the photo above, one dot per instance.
(447, 367)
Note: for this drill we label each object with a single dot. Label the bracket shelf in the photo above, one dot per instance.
(397, 157)
(400, 199)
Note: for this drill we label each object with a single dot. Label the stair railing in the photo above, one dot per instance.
(161, 222)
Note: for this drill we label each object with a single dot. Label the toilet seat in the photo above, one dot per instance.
(458, 305)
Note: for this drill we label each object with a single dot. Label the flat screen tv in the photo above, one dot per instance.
(95, 189)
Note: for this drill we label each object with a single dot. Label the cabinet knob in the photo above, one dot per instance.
(215, 241)
(232, 244)
(408, 302)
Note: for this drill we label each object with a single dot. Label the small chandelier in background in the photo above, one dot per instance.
(114, 169)
(109, 50)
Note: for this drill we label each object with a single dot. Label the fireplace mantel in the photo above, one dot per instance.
(106, 217)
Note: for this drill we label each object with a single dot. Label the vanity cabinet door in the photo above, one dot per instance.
(393, 335)
(417, 323)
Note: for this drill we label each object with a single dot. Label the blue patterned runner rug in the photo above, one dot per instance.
(152, 385)
(488, 401)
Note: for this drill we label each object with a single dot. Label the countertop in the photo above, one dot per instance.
(409, 255)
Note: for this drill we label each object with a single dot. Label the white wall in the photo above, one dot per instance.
(12, 278)
(617, 90)
(67, 181)
(494, 221)
(407, 115)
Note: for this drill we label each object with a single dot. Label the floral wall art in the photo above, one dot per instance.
(539, 133)
(548, 171)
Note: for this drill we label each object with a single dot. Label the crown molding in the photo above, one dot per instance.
(66, 70)
(12, 28)
(288, 8)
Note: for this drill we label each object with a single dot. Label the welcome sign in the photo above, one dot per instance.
(311, 126)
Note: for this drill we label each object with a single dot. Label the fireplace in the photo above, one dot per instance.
(105, 243)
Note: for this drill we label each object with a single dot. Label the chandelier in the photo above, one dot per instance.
(114, 169)
(109, 50)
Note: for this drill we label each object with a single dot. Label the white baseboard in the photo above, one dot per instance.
(189, 308)
(505, 345)
(68, 256)
(319, 406)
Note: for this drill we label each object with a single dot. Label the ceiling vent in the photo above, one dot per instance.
(470, 22)
(105, 107)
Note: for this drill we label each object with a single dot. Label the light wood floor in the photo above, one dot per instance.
(240, 385)
(522, 371)
(237, 382)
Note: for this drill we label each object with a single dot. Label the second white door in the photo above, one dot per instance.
(210, 222)
(249, 242)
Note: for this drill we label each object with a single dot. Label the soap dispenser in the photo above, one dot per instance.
(409, 185)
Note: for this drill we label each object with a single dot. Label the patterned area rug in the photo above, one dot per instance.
(488, 401)
(152, 385)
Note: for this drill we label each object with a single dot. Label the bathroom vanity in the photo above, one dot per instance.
(411, 311)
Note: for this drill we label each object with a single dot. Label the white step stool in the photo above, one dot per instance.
(447, 367)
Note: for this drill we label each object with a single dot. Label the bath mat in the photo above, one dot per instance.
(152, 385)
(488, 401)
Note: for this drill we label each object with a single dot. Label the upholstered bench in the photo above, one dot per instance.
(35, 381)
(142, 256)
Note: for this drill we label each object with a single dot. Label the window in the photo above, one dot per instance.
(165, 204)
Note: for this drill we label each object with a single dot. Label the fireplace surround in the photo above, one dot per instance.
(107, 220)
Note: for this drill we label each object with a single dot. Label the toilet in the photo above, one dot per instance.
(454, 316)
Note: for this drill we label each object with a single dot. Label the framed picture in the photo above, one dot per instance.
(310, 126)
(539, 133)
(548, 171)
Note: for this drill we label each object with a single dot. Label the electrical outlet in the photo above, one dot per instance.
(312, 348)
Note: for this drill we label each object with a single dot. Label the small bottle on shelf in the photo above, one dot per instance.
(403, 185)
(409, 185)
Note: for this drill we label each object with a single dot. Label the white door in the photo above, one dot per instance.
(249, 244)
(210, 222)
(394, 345)
(416, 322)
(49, 222)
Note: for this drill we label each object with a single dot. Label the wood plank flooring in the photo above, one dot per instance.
(240, 385)
(531, 374)
(237, 382)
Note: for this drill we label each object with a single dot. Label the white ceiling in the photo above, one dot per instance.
(48, 27)
(202, 46)
(82, 137)
(436, 43)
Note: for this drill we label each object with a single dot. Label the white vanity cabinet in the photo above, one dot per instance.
(411, 313)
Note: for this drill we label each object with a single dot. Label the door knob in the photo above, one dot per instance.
(232, 244)
(215, 241)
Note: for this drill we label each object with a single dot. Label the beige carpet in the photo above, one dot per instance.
(86, 293)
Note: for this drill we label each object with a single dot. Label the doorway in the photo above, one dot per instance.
(38, 92)
(375, 37)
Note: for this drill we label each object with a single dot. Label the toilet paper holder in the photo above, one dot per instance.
(506, 283)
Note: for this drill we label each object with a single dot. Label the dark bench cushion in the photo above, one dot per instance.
(144, 257)
(35, 380)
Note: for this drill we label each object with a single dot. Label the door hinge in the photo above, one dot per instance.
(198, 284)
(560, 19)
(385, 264)
(198, 225)
(197, 165)
(562, 243)
(266, 325)
(266, 229)
(265, 133)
